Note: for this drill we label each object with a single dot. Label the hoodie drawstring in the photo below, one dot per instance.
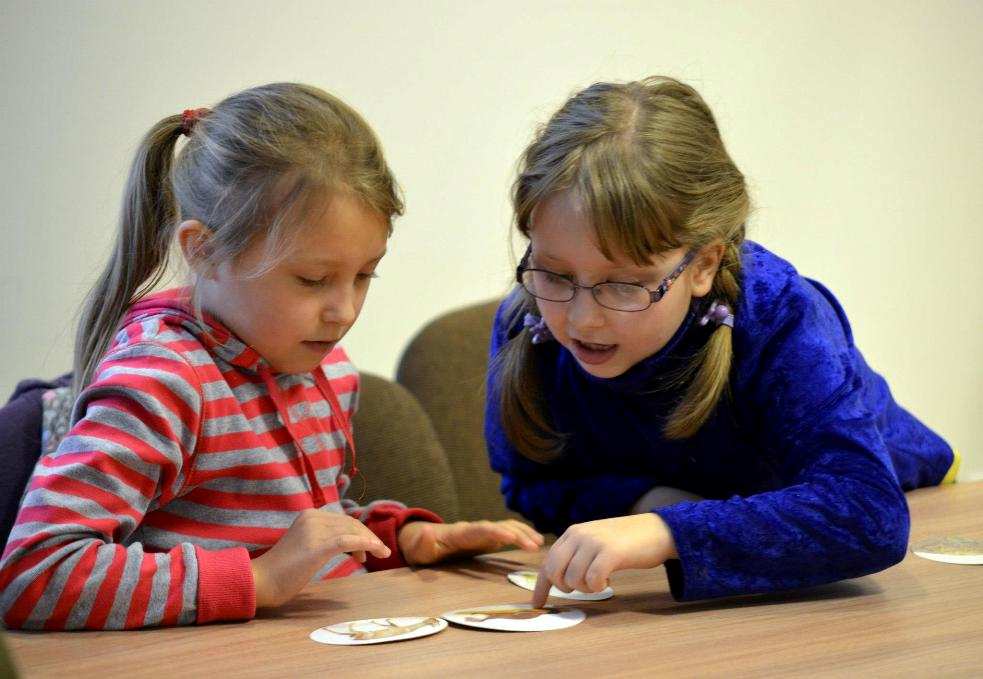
(338, 417)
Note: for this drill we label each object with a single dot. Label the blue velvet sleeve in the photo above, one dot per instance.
(841, 512)
(553, 496)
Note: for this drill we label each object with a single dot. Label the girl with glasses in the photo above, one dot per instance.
(663, 391)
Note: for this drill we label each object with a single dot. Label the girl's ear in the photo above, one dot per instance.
(193, 237)
(704, 268)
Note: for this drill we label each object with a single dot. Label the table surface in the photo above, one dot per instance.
(917, 617)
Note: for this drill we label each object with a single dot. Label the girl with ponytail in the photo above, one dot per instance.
(202, 477)
(663, 391)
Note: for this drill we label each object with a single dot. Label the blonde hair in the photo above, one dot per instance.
(251, 168)
(647, 161)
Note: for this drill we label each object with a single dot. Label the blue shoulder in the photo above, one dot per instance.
(774, 295)
(793, 348)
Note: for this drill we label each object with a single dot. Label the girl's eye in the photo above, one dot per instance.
(641, 280)
(310, 282)
(367, 276)
(552, 277)
(624, 289)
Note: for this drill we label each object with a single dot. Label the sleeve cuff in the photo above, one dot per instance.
(684, 583)
(226, 590)
(385, 522)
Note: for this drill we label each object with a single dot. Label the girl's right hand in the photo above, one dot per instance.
(311, 541)
(586, 554)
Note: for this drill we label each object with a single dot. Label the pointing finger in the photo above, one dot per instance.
(541, 591)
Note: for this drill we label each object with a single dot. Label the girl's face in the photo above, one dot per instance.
(295, 313)
(606, 342)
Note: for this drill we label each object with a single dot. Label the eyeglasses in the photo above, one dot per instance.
(554, 287)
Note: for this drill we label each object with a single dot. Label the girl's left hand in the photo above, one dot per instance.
(422, 542)
(587, 553)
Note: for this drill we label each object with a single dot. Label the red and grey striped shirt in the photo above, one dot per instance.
(187, 457)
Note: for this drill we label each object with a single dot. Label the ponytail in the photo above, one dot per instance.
(520, 390)
(139, 258)
(711, 365)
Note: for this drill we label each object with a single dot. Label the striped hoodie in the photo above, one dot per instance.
(187, 457)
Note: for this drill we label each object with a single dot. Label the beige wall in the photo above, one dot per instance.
(857, 123)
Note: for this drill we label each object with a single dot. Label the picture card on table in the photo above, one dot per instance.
(377, 630)
(527, 580)
(950, 549)
(516, 617)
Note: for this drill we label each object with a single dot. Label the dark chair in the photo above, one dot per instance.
(444, 366)
(399, 455)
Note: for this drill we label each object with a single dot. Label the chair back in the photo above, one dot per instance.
(444, 366)
(399, 454)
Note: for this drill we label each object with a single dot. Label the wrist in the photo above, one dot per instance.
(654, 543)
(264, 597)
(665, 539)
(407, 539)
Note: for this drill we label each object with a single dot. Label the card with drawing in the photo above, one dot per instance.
(952, 549)
(377, 630)
(527, 580)
(516, 617)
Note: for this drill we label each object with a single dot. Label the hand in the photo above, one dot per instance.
(587, 553)
(422, 542)
(311, 541)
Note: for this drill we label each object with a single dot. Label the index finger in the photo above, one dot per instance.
(374, 544)
(541, 591)
(349, 542)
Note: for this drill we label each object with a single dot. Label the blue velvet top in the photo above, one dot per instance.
(803, 466)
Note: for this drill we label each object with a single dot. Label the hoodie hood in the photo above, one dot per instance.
(175, 306)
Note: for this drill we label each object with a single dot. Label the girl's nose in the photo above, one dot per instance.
(339, 307)
(584, 312)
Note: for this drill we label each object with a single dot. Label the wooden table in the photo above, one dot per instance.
(917, 618)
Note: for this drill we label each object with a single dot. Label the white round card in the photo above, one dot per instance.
(377, 630)
(527, 580)
(950, 550)
(516, 617)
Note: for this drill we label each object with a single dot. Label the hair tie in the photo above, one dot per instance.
(537, 328)
(190, 116)
(718, 314)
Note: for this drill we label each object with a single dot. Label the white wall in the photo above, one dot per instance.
(857, 123)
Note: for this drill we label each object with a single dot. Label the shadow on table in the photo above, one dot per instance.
(302, 606)
(492, 567)
(484, 567)
(663, 604)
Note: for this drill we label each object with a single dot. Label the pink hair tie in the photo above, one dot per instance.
(190, 116)
(718, 314)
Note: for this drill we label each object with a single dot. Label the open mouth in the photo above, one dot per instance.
(591, 353)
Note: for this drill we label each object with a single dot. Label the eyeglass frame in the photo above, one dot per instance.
(654, 295)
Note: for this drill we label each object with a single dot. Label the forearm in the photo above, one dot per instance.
(89, 584)
(804, 535)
